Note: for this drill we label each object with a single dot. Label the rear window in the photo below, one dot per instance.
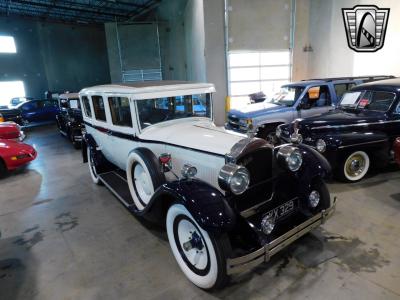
(120, 111)
(86, 107)
(98, 107)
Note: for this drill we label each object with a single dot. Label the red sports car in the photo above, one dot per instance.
(11, 130)
(396, 148)
(14, 154)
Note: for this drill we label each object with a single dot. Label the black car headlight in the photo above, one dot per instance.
(234, 178)
(290, 157)
(320, 145)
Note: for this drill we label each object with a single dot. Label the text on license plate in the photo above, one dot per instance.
(282, 210)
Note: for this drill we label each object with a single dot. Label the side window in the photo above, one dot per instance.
(29, 106)
(318, 96)
(74, 104)
(120, 111)
(98, 107)
(342, 88)
(86, 106)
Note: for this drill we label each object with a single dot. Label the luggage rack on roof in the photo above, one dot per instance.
(365, 78)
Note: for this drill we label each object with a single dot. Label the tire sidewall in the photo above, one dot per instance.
(94, 176)
(141, 156)
(362, 175)
(207, 281)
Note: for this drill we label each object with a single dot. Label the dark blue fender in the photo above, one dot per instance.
(206, 204)
(314, 164)
(353, 139)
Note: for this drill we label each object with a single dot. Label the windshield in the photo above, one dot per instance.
(287, 96)
(370, 100)
(153, 111)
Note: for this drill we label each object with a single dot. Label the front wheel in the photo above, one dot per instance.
(200, 255)
(354, 166)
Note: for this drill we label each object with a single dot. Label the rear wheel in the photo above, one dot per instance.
(354, 166)
(200, 255)
(92, 167)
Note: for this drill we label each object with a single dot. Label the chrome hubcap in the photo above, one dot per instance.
(192, 244)
(355, 165)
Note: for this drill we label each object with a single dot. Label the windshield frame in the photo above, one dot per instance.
(139, 122)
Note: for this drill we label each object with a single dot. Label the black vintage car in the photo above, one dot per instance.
(358, 134)
(69, 119)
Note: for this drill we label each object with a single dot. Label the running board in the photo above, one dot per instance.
(116, 182)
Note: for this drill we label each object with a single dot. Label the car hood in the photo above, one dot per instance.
(340, 117)
(195, 133)
(15, 147)
(257, 109)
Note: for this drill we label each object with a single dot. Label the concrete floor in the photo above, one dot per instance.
(66, 238)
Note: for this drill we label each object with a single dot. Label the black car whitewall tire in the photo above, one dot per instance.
(204, 265)
(355, 166)
(92, 167)
(144, 176)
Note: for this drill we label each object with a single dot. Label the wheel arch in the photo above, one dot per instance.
(206, 204)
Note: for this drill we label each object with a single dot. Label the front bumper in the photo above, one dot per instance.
(246, 262)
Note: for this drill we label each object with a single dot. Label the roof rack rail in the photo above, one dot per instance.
(366, 78)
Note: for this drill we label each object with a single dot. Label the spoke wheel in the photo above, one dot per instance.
(356, 166)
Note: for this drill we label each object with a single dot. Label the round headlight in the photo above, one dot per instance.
(234, 178)
(321, 145)
(291, 156)
(267, 224)
(314, 198)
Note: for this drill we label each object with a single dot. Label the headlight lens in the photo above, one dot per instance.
(321, 145)
(291, 157)
(234, 178)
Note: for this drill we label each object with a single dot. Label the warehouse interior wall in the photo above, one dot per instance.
(259, 25)
(53, 56)
(331, 55)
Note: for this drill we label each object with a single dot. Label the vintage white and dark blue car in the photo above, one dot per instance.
(228, 202)
(358, 134)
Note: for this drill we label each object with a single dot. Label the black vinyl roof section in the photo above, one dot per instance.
(80, 11)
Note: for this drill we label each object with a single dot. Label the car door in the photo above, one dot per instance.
(29, 111)
(316, 100)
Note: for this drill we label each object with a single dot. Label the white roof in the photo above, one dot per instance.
(144, 90)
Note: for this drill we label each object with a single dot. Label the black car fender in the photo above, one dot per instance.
(314, 164)
(205, 203)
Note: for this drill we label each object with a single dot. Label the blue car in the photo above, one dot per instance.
(297, 100)
(38, 111)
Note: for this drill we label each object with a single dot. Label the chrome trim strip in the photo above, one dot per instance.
(359, 144)
(352, 125)
(246, 262)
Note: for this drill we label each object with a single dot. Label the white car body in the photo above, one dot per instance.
(195, 140)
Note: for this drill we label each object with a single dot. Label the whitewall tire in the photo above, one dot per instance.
(144, 176)
(199, 255)
(92, 167)
(356, 166)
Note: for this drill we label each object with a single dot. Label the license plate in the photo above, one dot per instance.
(281, 210)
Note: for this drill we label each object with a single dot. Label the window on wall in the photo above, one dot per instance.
(252, 72)
(7, 44)
(9, 90)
